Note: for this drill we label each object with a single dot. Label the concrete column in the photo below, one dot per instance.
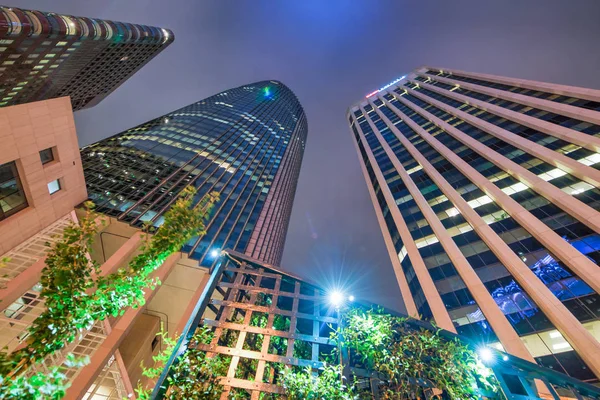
(123, 253)
(570, 135)
(571, 91)
(409, 302)
(582, 171)
(495, 317)
(578, 337)
(440, 314)
(567, 110)
(571, 205)
(576, 261)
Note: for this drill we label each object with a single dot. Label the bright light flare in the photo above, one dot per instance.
(336, 298)
(486, 354)
(215, 253)
(350, 298)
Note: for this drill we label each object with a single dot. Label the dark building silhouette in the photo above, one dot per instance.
(45, 55)
(246, 143)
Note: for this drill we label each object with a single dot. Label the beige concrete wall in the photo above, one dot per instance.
(24, 131)
(137, 346)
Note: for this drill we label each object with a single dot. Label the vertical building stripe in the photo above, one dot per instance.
(440, 314)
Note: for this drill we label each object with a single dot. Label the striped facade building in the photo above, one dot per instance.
(486, 191)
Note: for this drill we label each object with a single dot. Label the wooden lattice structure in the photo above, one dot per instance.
(265, 319)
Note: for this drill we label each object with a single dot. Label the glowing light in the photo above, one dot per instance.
(267, 91)
(486, 354)
(559, 346)
(386, 86)
(215, 253)
(336, 298)
(350, 298)
(504, 358)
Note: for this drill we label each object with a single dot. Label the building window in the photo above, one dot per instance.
(54, 186)
(12, 197)
(47, 155)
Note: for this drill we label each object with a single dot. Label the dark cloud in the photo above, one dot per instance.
(331, 53)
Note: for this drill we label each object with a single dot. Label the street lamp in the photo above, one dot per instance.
(336, 299)
(486, 354)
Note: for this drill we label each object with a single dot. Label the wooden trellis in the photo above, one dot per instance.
(265, 319)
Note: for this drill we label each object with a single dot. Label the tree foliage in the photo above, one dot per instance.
(194, 375)
(308, 385)
(399, 351)
(77, 295)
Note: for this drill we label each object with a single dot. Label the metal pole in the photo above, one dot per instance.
(340, 338)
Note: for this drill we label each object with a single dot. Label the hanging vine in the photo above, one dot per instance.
(77, 295)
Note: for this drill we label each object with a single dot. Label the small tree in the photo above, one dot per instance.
(390, 346)
(77, 295)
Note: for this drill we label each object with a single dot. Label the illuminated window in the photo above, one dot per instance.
(54, 186)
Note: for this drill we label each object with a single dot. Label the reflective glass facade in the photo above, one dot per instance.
(246, 143)
(45, 55)
(496, 184)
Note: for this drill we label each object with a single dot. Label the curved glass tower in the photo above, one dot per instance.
(246, 143)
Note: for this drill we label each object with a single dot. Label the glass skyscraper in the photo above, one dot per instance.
(46, 55)
(246, 143)
(486, 191)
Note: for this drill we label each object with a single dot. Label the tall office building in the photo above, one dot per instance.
(486, 191)
(246, 143)
(46, 55)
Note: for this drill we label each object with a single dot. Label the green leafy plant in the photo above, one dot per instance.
(399, 351)
(309, 385)
(77, 295)
(194, 374)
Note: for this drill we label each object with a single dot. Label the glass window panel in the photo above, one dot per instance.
(47, 155)
(54, 186)
(12, 197)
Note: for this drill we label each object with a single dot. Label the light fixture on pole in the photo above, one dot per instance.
(336, 298)
(485, 354)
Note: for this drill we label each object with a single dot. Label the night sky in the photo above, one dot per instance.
(331, 53)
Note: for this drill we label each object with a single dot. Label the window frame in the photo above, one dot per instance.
(59, 185)
(52, 153)
(20, 189)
